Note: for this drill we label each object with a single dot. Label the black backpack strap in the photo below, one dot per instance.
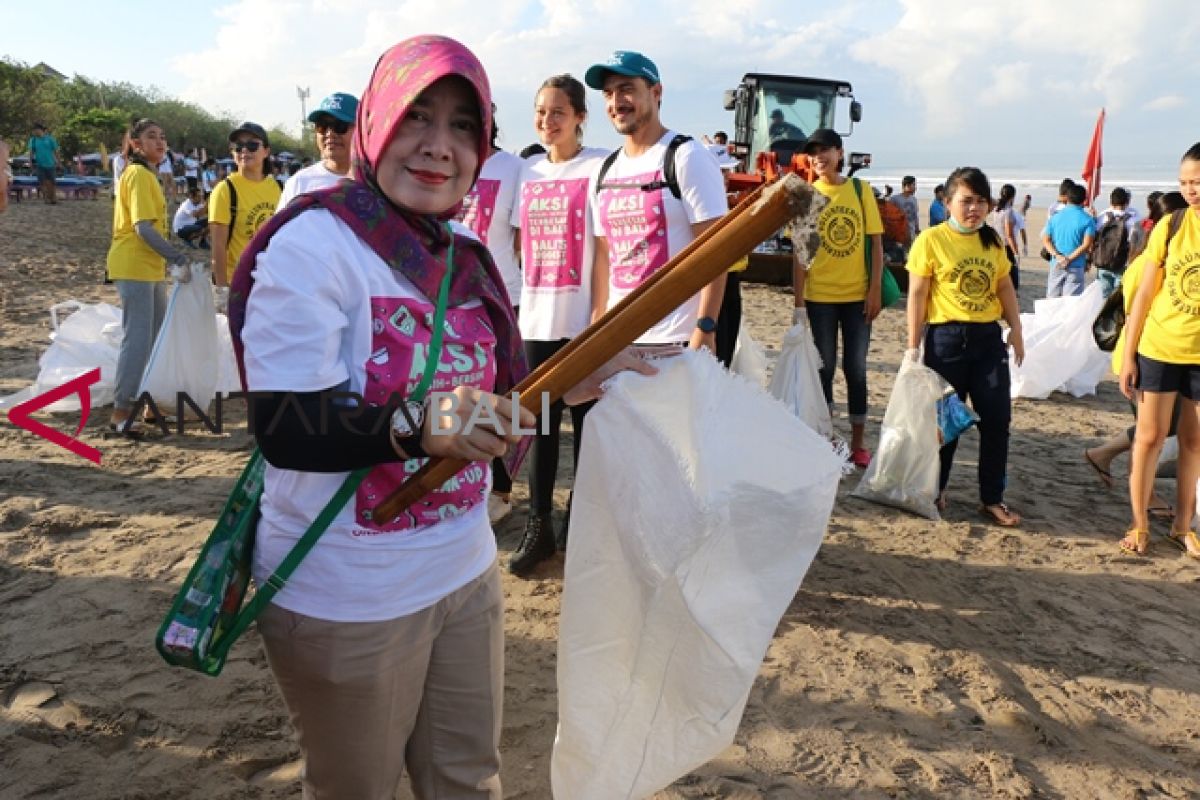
(669, 181)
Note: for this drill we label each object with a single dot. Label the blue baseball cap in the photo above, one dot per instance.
(339, 105)
(622, 62)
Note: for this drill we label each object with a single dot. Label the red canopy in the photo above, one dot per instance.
(1093, 162)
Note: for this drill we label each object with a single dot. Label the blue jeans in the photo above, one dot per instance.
(1064, 282)
(825, 319)
(973, 359)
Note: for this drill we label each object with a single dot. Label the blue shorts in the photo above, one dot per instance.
(1160, 376)
(45, 173)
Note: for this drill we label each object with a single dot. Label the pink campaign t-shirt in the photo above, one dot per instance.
(487, 209)
(557, 245)
(325, 312)
(645, 229)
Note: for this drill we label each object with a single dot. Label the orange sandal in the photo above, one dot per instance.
(1136, 542)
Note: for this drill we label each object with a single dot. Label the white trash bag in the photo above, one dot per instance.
(1060, 352)
(749, 359)
(797, 379)
(186, 354)
(89, 338)
(904, 471)
(228, 381)
(699, 505)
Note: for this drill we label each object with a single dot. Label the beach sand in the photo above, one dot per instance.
(919, 660)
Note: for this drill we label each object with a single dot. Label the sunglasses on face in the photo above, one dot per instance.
(251, 145)
(335, 125)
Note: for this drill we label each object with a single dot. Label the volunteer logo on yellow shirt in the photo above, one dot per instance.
(841, 230)
(1185, 289)
(257, 216)
(972, 279)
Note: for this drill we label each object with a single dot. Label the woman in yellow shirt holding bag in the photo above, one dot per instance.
(1162, 361)
(959, 288)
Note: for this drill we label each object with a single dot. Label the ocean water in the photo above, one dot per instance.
(1040, 184)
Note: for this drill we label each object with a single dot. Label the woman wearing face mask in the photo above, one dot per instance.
(557, 251)
(136, 263)
(838, 291)
(387, 641)
(241, 203)
(959, 288)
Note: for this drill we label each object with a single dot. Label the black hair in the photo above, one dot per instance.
(1152, 205)
(721, 137)
(973, 178)
(135, 132)
(1192, 154)
(1170, 202)
(941, 187)
(907, 180)
(1119, 197)
(573, 89)
(1065, 186)
(532, 150)
(495, 129)
(1076, 194)
(1008, 193)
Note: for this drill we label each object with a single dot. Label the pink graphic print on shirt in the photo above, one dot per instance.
(635, 224)
(478, 207)
(553, 227)
(400, 335)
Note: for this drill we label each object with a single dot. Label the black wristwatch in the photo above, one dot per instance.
(408, 420)
(706, 324)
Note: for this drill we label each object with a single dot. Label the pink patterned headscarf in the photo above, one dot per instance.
(400, 75)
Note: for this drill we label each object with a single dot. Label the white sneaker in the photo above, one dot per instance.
(498, 508)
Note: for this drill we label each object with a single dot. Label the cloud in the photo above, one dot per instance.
(1165, 102)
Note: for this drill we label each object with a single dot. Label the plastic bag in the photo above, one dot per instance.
(90, 337)
(954, 417)
(1060, 351)
(904, 471)
(699, 504)
(186, 354)
(228, 380)
(749, 358)
(797, 380)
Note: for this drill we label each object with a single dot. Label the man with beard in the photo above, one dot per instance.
(652, 197)
(333, 121)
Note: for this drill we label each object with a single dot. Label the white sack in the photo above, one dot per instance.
(749, 359)
(904, 471)
(796, 381)
(699, 505)
(228, 380)
(1060, 353)
(186, 355)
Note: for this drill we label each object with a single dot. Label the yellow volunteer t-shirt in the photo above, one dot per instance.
(838, 273)
(1130, 279)
(1172, 330)
(139, 198)
(255, 205)
(965, 275)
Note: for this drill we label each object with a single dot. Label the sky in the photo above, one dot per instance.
(1002, 85)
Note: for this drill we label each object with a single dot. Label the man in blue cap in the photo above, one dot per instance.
(654, 196)
(333, 121)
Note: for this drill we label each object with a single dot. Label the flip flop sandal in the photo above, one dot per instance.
(994, 512)
(1183, 540)
(1141, 541)
(129, 429)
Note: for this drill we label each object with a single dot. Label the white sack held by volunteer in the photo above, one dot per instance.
(699, 504)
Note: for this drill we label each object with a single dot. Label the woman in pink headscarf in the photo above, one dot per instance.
(387, 641)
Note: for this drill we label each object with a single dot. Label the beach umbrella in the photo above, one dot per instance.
(1094, 161)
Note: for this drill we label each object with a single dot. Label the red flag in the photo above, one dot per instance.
(1093, 162)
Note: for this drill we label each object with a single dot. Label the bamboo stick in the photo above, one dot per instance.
(712, 253)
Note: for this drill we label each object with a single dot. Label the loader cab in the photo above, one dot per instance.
(776, 113)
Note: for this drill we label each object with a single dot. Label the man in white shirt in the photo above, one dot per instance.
(641, 221)
(191, 219)
(333, 121)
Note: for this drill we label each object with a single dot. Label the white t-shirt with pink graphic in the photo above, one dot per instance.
(487, 209)
(557, 246)
(327, 311)
(645, 229)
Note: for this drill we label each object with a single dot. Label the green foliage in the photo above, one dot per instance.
(83, 114)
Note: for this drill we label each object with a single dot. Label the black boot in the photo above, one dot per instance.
(537, 544)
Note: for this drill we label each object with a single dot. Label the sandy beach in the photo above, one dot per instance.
(919, 660)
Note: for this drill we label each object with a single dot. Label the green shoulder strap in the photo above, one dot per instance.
(286, 567)
(866, 238)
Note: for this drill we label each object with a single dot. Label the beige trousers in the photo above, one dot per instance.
(424, 691)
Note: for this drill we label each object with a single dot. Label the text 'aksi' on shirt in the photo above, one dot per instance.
(486, 210)
(965, 275)
(645, 228)
(557, 245)
(838, 273)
